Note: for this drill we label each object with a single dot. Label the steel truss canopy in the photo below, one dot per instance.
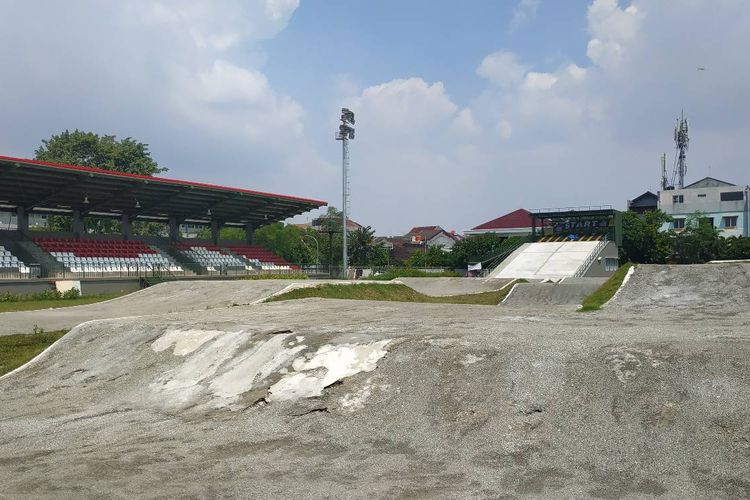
(52, 188)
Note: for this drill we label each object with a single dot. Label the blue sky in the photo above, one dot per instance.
(465, 110)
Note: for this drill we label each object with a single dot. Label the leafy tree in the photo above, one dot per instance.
(362, 251)
(642, 239)
(225, 233)
(735, 247)
(476, 248)
(91, 150)
(433, 256)
(288, 241)
(106, 152)
(698, 243)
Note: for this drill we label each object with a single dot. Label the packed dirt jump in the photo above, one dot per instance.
(648, 397)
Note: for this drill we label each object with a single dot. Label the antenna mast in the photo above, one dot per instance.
(664, 182)
(681, 141)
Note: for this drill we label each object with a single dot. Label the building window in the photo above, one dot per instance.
(732, 196)
(678, 198)
(701, 196)
(730, 222)
(610, 264)
(679, 223)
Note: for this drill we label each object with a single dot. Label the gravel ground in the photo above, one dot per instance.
(638, 400)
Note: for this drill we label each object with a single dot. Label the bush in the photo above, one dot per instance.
(73, 293)
(407, 272)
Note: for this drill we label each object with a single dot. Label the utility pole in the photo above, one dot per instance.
(345, 134)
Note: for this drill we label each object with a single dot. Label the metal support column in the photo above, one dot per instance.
(249, 234)
(174, 230)
(78, 227)
(127, 232)
(215, 231)
(22, 220)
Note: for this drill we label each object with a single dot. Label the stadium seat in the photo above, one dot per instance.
(262, 258)
(211, 257)
(106, 256)
(9, 263)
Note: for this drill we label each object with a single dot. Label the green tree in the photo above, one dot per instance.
(476, 248)
(698, 243)
(91, 150)
(433, 256)
(288, 241)
(225, 233)
(106, 152)
(735, 247)
(643, 241)
(362, 251)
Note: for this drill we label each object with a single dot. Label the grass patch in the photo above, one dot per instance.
(392, 293)
(296, 276)
(32, 305)
(605, 292)
(407, 272)
(17, 350)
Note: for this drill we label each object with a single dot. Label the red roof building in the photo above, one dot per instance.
(516, 223)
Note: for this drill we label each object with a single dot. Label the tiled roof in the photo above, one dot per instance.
(515, 219)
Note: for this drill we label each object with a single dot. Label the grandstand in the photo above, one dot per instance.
(211, 257)
(262, 258)
(106, 256)
(31, 187)
(9, 264)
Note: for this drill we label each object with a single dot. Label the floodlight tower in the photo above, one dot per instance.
(681, 141)
(345, 134)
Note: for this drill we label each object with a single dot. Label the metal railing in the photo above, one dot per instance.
(583, 268)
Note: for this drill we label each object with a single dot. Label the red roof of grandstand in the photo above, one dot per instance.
(517, 218)
(55, 188)
(156, 179)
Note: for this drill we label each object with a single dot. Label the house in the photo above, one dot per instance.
(725, 205)
(418, 239)
(647, 202)
(432, 236)
(516, 223)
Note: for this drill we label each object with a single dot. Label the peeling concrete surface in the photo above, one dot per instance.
(633, 401)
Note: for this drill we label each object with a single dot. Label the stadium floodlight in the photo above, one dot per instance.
(345, 134)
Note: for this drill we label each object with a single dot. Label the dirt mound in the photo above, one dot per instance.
(700, 289)
(164, 298)
(324, 398)
(552, 294)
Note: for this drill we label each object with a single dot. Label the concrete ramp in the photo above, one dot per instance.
(568, 293)
(702, 288)
(553, 260)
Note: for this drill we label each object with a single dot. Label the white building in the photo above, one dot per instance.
(726, 206)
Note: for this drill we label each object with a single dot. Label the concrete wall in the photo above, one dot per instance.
(598, 268)
(88, 287)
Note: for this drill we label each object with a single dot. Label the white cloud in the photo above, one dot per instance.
(538, 81)
(612, 28)
(524, 13)
(502, 68)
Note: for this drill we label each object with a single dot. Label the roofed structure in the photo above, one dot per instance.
(53, 188)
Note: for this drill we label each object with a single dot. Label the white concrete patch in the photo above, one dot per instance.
(184, 341)
(327, 365)
(624, 281)
(470, 359)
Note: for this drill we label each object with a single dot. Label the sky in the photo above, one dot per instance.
(465, 110)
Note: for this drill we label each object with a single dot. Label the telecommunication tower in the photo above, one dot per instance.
(681, 141)
(345, 134)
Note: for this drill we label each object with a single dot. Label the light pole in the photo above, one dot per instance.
(345, 134)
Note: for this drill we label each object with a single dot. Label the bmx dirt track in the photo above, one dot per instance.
(350, 399)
